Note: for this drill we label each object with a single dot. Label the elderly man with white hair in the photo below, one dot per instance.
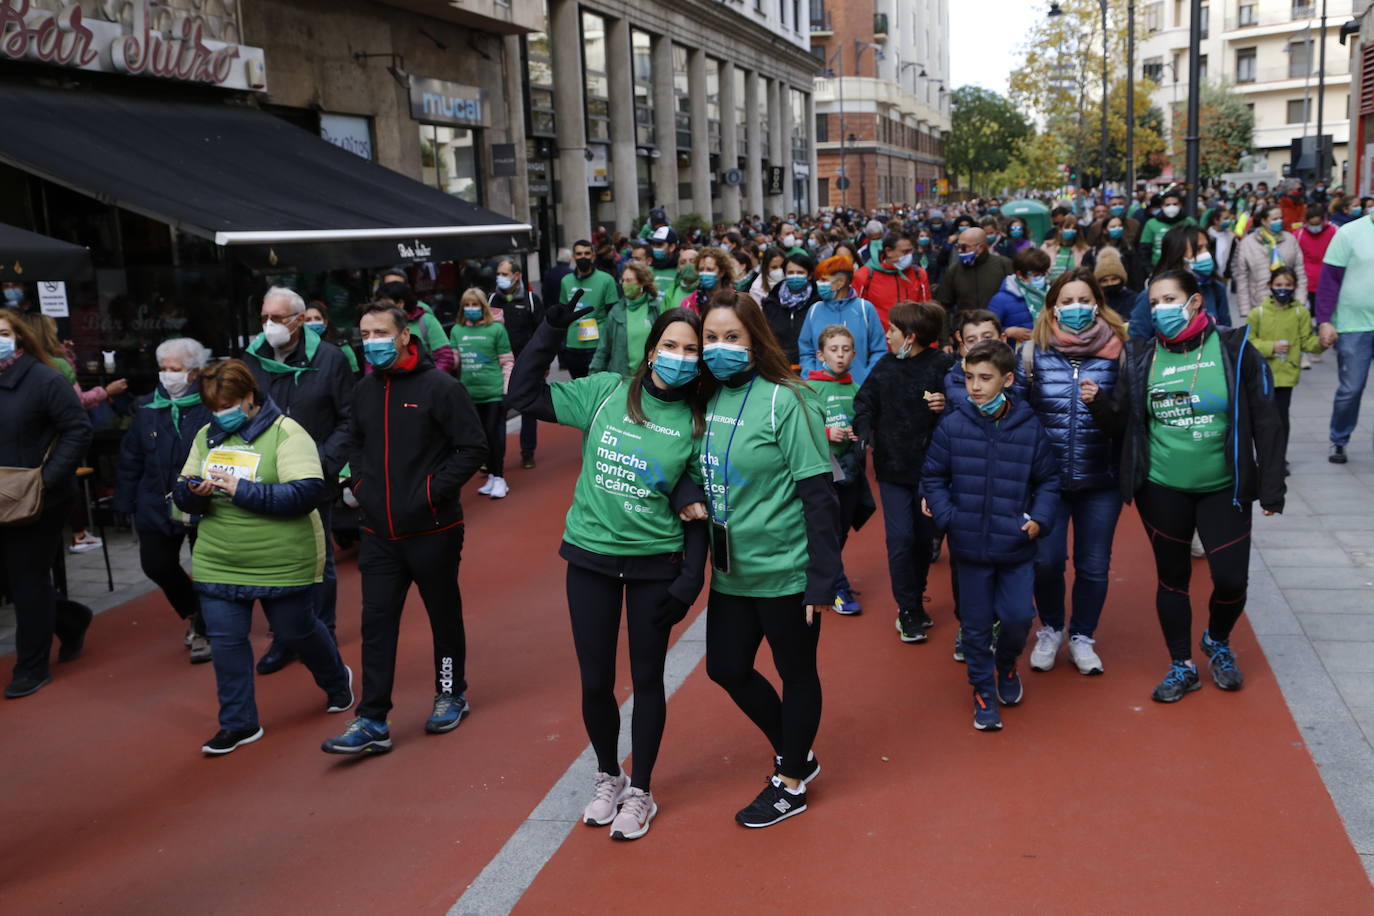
(155, 447)
(310, 380)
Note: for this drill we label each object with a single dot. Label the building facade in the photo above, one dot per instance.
(1269, 52)
(882, 105)
(695, 106)
(1362, 99)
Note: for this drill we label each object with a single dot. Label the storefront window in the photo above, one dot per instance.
(539, 67)
(713, 104)
(741, 112)
(683, 106)
(449, 158)
(597, 86)
(641, 49)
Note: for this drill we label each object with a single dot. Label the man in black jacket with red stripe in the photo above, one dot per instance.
(415, 440)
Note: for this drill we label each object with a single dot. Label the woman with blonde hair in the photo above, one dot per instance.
(484, 352)
(1067, 247)
(1073, 358)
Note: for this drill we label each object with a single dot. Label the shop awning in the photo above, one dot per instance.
(27, 257)
(276, 195)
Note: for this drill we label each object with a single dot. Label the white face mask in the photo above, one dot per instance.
(176, 383)
(789, 241)
(775, 276)
(1171, 210)
(278, 335)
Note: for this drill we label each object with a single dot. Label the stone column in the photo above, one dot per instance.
(754, 99)
(777, 154)
(624, 180)
(813, 183)
(574, 202)
(665, 129)
(729, 142)
(701, 141)
(785, 131)
(514, 78)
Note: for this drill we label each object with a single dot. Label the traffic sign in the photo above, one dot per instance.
(842, 182)
(920, 187)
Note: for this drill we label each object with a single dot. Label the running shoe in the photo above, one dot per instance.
(1181, 679)
(775, 803)
(606, 797)
(926, 620)
(363, 736)
(1222, 661)
(86, 542)
(846, 603)
(1046, 651)
(986, 718)
(635, 815)
(499, 488)
(1337, 454)
(275, 658)
(527, 462)
(226, 740)
(25, 685)
(1010, 690)
(485, 489)
(449, 709)
(343, 700)
(200, 649)
(959, 645)
(1083, 655)
(909, 626)
(811, 761)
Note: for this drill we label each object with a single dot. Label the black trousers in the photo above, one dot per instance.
(1170, 517)
(493, 419)
(594, 602)
(529, 434)
(28, 553)
(388, 568)
(160, 556)
(578, 363)
(735, 628)
(1283, 398)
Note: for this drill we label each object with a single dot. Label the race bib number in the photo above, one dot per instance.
(587, 330)
(232, 463)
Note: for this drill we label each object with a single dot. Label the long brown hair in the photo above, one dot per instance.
(26, 337)
(769, 360)
(634, 403)
(1043, 333)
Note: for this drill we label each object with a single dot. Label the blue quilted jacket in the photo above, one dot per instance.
(1086, 454)
(982, 478)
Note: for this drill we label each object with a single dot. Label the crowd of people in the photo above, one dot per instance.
(1003, 382)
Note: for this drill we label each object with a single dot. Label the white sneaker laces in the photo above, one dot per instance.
(606, 787)
(636, 806)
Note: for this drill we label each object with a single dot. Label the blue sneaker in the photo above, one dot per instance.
(1222, 662)
(1181, 679)
(1010, 690)
(449, 709)
(986, 718)
(363, 736)
(846, 603)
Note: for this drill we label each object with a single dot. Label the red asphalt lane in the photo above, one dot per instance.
(1093, 799)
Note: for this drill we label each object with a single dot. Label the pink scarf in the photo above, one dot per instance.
(1097, 340)
(1194, 328)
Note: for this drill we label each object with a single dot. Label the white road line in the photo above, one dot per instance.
(499, 887)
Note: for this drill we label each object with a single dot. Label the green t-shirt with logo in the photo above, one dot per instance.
(427, 328)
(238, 547)
(778, 439)
(481, 347)
(621, 504)
(837, 404)
(1187, 402)
(600, 294)
(1353, 249)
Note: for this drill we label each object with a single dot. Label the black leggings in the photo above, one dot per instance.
(735, 627)
(1283, 399)
(493, 418)
(594, 602)
(1170, 516)
(160, 556)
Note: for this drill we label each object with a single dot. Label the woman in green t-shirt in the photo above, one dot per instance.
(624, 541)
(483, 350)
(620, 348)
(1202, 442)
(774, 541)
(253, 478)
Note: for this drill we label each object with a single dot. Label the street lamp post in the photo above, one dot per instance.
(1130, 98)
(835, 69)
(1194, 138)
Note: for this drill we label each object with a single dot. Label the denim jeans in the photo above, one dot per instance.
(291, 615)
(908, 534)
(988, 594)
(1094, 514)
(1354, 351)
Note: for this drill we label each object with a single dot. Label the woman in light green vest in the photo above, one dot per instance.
(253, 480)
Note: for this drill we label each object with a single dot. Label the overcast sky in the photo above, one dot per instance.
(983, 43)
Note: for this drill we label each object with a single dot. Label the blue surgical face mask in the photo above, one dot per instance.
(967, 258)
(994, 210)
(14, 294)
(1075, 317)
(1203, 265)
(707, 279)
(503, 282)
(992, 406)
(923, 241)
(725, 359)
(903, 262)
(797, 282)
(673, 369)
(825, 290)
(1017, 231)
(1283, 295)
(316, 326)
(1169, 320)
(660, 254)
(1227, 223)
(1068, 235)
(472, 312)
(1276, 226)
(1356, 211)
(1039, 281)
(380, 351)
(1116, 232)
(6, 347)
(231, 419)
(1117, 210)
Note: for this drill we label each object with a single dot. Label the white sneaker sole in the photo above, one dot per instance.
(793, 813)
(653, 812)
(219, 752)
(1040, 666)
(1089, 671)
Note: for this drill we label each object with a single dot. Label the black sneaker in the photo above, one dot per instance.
(527, 461)
(1337, 454)
(811, 761)
(1182, 679)
(909, 626)
(775, 803)
(225, 741)
(342, 701)
(25, 685)
(1222, 661)
(275, 658)
(1010, 690)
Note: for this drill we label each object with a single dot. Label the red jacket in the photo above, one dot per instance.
(1313, 250)
(885, 289)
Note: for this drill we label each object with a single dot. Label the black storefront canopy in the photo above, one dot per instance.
(27, 257)
(275, 195)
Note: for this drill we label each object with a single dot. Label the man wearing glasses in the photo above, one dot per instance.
(974, 275)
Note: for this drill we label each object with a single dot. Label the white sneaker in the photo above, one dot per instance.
(635, 815)
(499, 489)
(485, 489)
(609, 793)
(84, 543)
(1198, 549)
(1306, 361)
(1082, 654)
(1047, 643)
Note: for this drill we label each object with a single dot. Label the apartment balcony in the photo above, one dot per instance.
(880, 28)
(822, 26)
(1262, 19)
(866, 93)
(507, 17)
(1282, 78)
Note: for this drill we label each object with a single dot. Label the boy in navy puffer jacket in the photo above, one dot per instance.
(991, 481)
